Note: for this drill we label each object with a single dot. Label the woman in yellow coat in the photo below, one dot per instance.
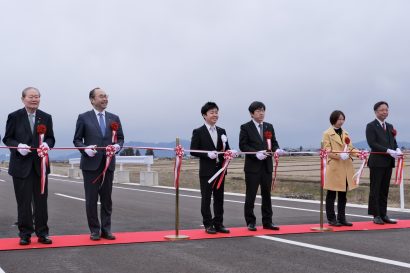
(339, 169)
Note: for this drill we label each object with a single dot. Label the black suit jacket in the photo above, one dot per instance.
(87, 132)
(250, 141)
(18, 131)
(202, 140)
(379, 141)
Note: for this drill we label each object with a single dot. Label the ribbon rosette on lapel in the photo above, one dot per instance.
(394, 132)
(114, 127)
(268, 136)
(224, 139)
(347, 140)
(42, 152)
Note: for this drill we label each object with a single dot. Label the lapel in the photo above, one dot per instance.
(380, 129)
(255, 130)
(207, 135)
(335, 137)
(94, 121)
(26, 122)
(108, 121)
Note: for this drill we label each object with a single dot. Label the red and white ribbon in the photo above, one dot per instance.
(276, 158)
(109, 152)
(363, 157)
(228, 156)
(114, 136)
(323, 161)
(179, 153)
(269, 142)
(224, 139)
(399, 170)
(42, 152)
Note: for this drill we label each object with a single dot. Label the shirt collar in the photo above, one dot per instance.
(256, 124)
(34, 114)
(381, 122)
(209, 126)
(96, 112)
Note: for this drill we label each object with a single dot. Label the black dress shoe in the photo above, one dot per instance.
(221, 229)
(210, 230)
(334, 223)
(45, 240)
(345, 223)
(25, 241)
(95, 237)
(108, 236)
(271, 227)
(378, 220)
(387, 220)
(252, 227)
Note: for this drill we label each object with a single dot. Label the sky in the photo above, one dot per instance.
(161, 60)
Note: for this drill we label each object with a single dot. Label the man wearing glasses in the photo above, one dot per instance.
(98, 128)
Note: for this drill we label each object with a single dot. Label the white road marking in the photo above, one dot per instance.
(72, 197)
(2, 271)
(4, 181)
(337, 251)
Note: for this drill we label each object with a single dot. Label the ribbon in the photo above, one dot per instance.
(179, 153)
(114, 136)
(42, 152)
(109, 152)
(399, 170)
(228, 156)
(323, 160)
(276, 158)
(363, 157)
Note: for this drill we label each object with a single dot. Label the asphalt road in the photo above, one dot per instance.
(139, 208)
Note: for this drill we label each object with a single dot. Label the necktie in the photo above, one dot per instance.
(384, 126)
(102, 123)
(261, 131)
(31, 120)
(214, 136)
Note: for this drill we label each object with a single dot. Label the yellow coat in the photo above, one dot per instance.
(338, 171)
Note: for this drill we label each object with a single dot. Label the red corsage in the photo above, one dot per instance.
(267, 134)
(41, 129)
(347, 140)
(115, 126)
(394, 132)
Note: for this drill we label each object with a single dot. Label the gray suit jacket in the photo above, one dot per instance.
(87, 132)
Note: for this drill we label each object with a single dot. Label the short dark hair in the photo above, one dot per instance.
(92, 93)
(378, 104)
(255, 106)
(335, 115)
(24, 92)
(208, 106)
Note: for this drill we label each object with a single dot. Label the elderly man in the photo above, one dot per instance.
(98, 128)
(22, 131)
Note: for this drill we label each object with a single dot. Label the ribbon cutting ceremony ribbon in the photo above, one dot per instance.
(42, 152)
(109, 152)
(179, 153)
(323, 160)
(276, 158)
(399, 170)
(228, 156)
(363, 157)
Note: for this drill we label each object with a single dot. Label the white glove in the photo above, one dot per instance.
(261, 155)
(45, 145)
(212, 155)
(392, 153)
(90, 151)
(399, 152)
(344, 156)
(117, 148)
(280, 151)
(23, 149)
(234, 153)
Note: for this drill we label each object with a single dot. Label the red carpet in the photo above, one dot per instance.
(194, 234)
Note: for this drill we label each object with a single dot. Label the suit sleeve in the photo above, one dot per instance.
(275, 144)
(79, 134)
(371, 137)
(227, 142)
(244, 142)
(327, 145)
(9, 139)
(120, 134)
(196, 144)
(49, 137)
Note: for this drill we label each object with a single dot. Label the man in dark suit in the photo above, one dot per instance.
(21, 132)
(210, 137)
(380, 137)
(95, 128)
(256, 136)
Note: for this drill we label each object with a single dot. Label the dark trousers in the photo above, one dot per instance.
(379, 190)
(27, 191)
(207, 190)
(253, 180)
(341, 205)
(92, 191)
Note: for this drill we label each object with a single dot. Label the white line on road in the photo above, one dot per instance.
(2, 271)
(4, 181)
(337, 251)
(72, 197)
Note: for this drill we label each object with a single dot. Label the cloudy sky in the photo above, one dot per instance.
(161, 60)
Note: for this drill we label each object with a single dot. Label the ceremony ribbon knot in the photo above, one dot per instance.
(323, 160)
(42, 152)
(109, 152)
(228, 156)
(362, 156)
(179, 153)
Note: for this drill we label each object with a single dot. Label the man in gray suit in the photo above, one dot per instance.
(98, 128)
